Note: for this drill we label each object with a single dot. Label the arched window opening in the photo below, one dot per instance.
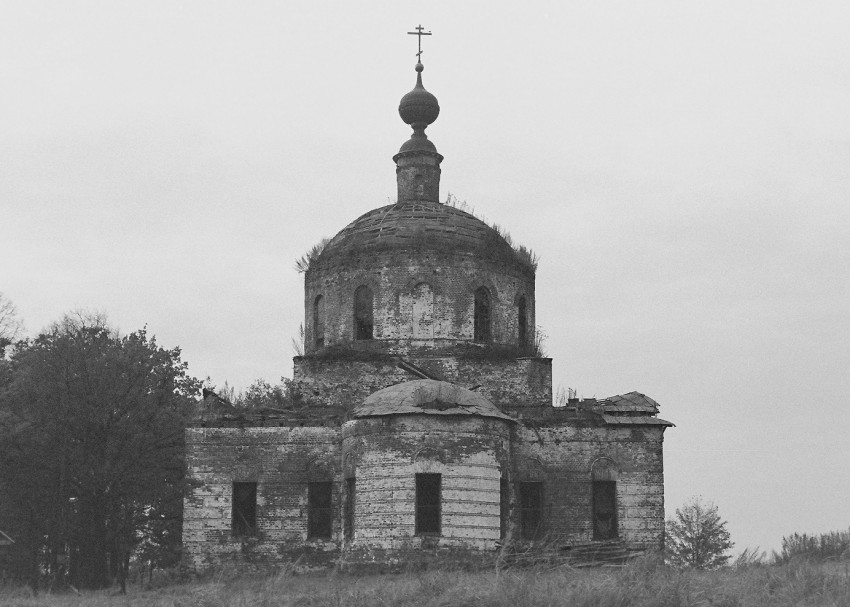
(319, 511)
(363, 323)
(603, 473)
(531, 509)
(522, 321)
(604, 510)
(428, 501)
(481, 316)
(319, 321)
(244, 509)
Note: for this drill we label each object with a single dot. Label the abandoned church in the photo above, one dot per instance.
(422, 424)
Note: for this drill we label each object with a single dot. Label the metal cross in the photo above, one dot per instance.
(419, 33)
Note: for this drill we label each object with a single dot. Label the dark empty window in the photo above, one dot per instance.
(481, 316)
(604, 510)
(244, 509)
(319, 509)
(428, 503)
(349, 508)
(319, 321)
(531, 509)
(363, 303)
(522, 321)
(504, 506)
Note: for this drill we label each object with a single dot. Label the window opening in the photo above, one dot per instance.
(531, 509)
(481, 316)
(363, 303)
(244, 509)
(604, 510)
(319, 321)
(522, 321)
(319, 509)
(349, 508)
(428, 504)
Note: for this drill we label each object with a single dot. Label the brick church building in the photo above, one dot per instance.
(422, 423)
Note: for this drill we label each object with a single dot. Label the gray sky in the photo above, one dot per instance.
(681, 168)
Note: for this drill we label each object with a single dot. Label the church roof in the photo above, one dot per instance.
(428, 397)
(418, 225)
(631, 409)
(633, 402)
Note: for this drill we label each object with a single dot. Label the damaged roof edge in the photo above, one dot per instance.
(628, 420)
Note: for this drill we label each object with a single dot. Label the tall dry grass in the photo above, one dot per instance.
(644, 583)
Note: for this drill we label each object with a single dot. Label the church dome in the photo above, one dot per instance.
(417, 276)
(420, 226)
(427, 397)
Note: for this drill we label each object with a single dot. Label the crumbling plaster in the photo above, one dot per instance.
(407, 316)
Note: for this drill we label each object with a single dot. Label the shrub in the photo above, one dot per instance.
(697, 537)
(302, 264)
(833, 544)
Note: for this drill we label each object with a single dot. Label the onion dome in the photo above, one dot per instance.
(418, 108)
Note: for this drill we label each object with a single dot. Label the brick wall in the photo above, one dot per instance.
(281, 461)
(385, 454)
(419, 297)
(562, 457)
(509, 383)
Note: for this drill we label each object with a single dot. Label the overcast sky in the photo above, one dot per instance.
(681, 168)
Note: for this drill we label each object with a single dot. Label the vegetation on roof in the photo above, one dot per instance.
(524, 254)
(259, 395)
(302, 264)
(348, 351)
(521, 253)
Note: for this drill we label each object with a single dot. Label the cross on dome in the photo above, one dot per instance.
(419, 33)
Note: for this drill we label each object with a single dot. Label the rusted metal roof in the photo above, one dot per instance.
(632, 409)
(427, 397)
(633, 402)
(419, 225)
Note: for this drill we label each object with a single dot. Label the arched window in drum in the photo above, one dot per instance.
(363, 303)
(319, 321)
(522, 321)
(481, 315)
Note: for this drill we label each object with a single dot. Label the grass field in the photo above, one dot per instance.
(643, 583)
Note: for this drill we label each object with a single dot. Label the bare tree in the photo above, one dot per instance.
(11, 327)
